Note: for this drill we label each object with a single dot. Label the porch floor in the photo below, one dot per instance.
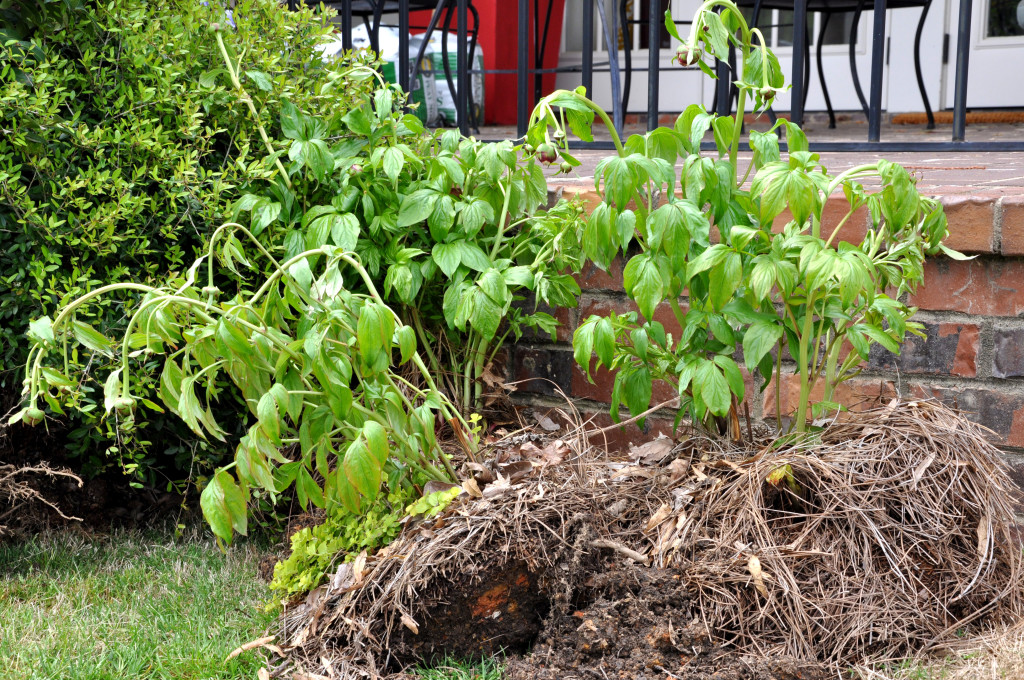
(979, 175)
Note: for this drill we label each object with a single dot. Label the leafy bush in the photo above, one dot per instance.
(341, 402)
(122, 147)
(748, 287)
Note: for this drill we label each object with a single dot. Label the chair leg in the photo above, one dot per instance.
(431, 25)
(612, 46)
(853, 57)
(917, 66)
(826, 16)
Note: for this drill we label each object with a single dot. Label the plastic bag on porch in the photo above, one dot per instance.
(445, 103)
(423, 93)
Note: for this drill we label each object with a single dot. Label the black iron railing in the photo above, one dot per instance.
(525, 70)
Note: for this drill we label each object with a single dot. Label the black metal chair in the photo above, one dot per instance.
(372, 13)
(830, 7)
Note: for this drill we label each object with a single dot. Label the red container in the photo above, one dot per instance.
(499, 37)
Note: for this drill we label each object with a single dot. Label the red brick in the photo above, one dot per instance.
(1008, 353)
(663, 313)
(563, 315)
(981, 287)
(970, 223)
(618, 439)
(858, 394)
(835, 210)
(604, 380)
(1000, 411)
(1013, 225)
(947, 348)
(593, 278)
(542, 370)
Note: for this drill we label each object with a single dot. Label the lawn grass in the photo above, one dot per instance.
(128, 605)
(454, 669)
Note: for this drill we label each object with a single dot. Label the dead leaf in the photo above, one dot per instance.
(492, 379)
(677, 469)
(343, 578)
(660, 516)
(261, 642)
(983, 533)
(433, 486)
(262, 674)
(516, 471)
(497, 488)
(754, 567)
(555, 452)
(358, 566)
(652, 452)
(472, 488)
(634, 471)
(920, 469)
(411, 624)
(548, 424)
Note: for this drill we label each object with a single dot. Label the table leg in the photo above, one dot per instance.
(963, 49)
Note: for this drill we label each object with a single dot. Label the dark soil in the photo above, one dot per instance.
(640, 625)
(503, 611)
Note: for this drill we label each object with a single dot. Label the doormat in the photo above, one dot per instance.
(946, 117)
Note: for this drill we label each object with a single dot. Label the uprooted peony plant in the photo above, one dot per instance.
(749, 285)
(369, 242)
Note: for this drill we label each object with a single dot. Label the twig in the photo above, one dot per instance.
(621, 549)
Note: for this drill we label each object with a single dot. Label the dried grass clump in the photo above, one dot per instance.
(897, 534)
(351, 627)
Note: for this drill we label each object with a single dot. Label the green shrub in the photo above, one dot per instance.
(748, 289)
(121, 147)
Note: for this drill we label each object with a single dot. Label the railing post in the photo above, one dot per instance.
(877, 68)
(462, 69)
(403, 45)
(522, 86)
(346, 24)
(796, 108)
(963, 50)
(588, 46)
(653, 63)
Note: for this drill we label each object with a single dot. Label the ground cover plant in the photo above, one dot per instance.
(129, 605)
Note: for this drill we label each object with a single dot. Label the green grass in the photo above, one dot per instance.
(452, 669)
(128, 606)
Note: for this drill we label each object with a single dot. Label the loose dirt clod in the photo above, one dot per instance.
(887, 536)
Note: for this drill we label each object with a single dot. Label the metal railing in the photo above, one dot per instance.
(525, 70)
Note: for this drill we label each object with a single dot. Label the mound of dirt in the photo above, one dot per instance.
(642, 625)
(884, 537)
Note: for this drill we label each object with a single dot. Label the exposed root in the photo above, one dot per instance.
(16, 492)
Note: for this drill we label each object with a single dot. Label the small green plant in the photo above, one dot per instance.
(316, 551)
(341, 537)
(708, 248)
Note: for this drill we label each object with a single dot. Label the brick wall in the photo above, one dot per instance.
(972, 356)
